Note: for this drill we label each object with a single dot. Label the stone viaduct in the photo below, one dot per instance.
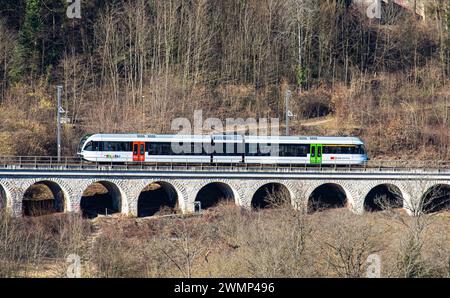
(239, 184)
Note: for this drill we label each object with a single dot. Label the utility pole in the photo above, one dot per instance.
(58, 121)
(287, 112)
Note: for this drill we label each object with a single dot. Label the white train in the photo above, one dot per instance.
(301, 150)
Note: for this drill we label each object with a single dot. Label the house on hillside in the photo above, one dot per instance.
(401, 6)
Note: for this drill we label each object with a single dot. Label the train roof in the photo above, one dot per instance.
(225, 138)
(305, 140)
(147, 137)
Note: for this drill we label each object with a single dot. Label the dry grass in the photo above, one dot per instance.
(228, 241)
(35, 246)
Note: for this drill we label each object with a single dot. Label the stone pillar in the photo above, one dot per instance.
(131, 190)
(414, 192)
(15, 202)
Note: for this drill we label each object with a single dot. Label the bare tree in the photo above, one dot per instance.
(345, 243)
(184, 245)
(411, 260)
(8, 41)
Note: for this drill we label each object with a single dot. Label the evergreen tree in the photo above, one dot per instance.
(41, 39)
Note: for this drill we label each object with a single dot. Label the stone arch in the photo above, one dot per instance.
(102, 197)
(211, 192)
(383, 196)
(410, 191)
(181, 192)
(250, 187)
(270, 191)
(42, 197)
(329, 195)
(157, 195)
(435, 199)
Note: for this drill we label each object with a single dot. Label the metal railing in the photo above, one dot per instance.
(76, 163)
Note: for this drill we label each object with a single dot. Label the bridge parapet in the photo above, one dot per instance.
(241, 183)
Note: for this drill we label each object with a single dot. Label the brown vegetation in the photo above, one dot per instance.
(133, 66)
(227, 241)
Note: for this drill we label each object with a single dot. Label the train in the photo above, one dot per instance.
(222, 149)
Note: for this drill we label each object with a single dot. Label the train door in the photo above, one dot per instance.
(316, 154)
(138, 151)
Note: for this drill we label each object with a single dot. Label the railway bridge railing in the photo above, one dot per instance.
(52, 162)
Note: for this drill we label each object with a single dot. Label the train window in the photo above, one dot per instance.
(116, 146)
(362, 149)
(154, 149)
(228, 149)
(201, 148)
(282, 150)
(264, 149)
(197, 149)
(109, 146)
(343, 149)
(219, 149)
(160, 148)
(142, 147)
(293, 150)
(240, 149)
(151, 148)
(332, 150)
(251, 149)
(125, 146)
(304, 149)
(135, 149)
(166, 149)
(88, 147)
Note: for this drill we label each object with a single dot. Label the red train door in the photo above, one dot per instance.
(138, 151)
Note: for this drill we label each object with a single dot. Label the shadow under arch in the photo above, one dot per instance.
(213, 193)
(3, 198)
(435, 199)
(327, 196)
(155, 197)
(382, 197)
(271, 195)
(43, 198)
(101, 198)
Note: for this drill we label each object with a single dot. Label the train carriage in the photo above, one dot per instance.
(305, 150)
(301, 150)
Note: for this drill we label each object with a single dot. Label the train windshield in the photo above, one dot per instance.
(362, 149)
(83, 140)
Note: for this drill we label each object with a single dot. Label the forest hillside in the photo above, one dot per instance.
(133, 66)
